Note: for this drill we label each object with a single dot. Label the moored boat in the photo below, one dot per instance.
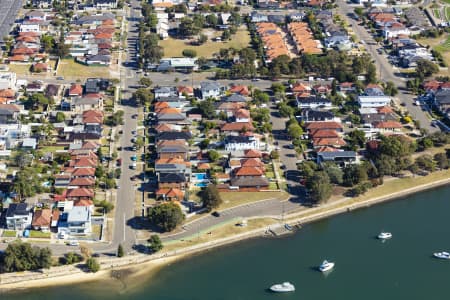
(282, 287)
(442, 255)
(326, 266)
(384, 235)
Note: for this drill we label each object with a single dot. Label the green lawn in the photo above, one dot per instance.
(174, 47)
(53, 149)
(70, 69)
(445, 46)
(9, 233)
(231, 199)
(447, 13)
(20, 69)
(39, 234)
(437, 13)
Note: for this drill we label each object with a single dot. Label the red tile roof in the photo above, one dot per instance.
(388, 124)
(80, 172)
(240, 89)
(248, 171)
(336, 142)
(42, 217)
(324, 133)
(80, 192)
(82, 181)
(83, 202)
(252, 153)
(76, 90)
(238, 126)
(171, 193)
(323, 125)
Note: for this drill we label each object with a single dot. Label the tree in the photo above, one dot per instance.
(155, 243)
(71, 258)
(207, 108)
(295, 131)
(211, 198)
(213, 155)
(334, 172)
(426, 162)
(143, 96)
(120, 252)
(188, 28)
(189, 53)
(47, 42)
(212, 20)
(139, 143)
(285, 110)
(354, 174)
(319, 186)
(202, 38)
(356, 139)
(371, 76)
(226, 35)
(145, 81)
(21, 256)
(390, 89)
(441, 160)
(274, 154)
(396, 146)
(166, 216)
(426, 68)
(92, 265)
(60, 117)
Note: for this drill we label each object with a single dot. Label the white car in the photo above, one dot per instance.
(73, 243)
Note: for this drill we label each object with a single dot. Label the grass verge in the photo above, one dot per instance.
(9, 233)
(39, 234)
(231, 199)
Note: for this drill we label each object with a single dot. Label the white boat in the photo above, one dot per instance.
(326, 266)
(384, 235)
(283, 287)
(288, 227)
(442, 255)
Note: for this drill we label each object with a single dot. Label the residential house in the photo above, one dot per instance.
(105, 4)
(179, 64)
(8, 80)
(374, 101)
(9, 113)
(236, 98)
(172, 180)
(242, 115)
(172, 116)
(249, 183)
(81, 104)
(442, 101)
(240, 89)
(311, 115)
(79, 220)
(172, 149)
(173, 136)
(75, 90)
(173, 165)
(210, 89)
(236, 143)
(42, 219)
(313, 102)
(341, 158)
(170, 194)
(257, 17)
(18, 216)
(237, 127)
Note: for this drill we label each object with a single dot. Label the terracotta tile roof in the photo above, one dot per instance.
(252, 162)
(55, 215)
(252, 153)
(82, 181)
(83, 202)
(172, 160)
(42, 217)
(158, 106)
(7, 93)
(80, 192)
(240, 89)
(189, 90)
(323, 125)
(19, 51)
(388, 124)
(163, 4)
(336, 142)
(163, 127)
(237, 126)
(40, 67)
(18, 57)
(76, 90)
(83, 162)
(203, 166)
(326, 149)
(324, 133)
(224, 176)
(89, 145)
(171, 193)
(242, 113)
(384, 110)
(234, 163)
(248, 171)
(83, 172)
(300, 88)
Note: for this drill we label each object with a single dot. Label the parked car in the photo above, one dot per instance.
(216, 214)
(133, 166)
(134, 158)
(73, 243)
(119, 162)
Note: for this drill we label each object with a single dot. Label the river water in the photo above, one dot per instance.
(366, 268)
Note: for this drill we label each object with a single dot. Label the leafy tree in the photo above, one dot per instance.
(145, 81)
(202, 38)
(396, 146)
(204, 144)
(334, 173)
(143, 96)
(188, 28)
(213, 155)
(354, 174)
(139, 143)
(356, 139)
(390, 89)
(92, 265)
(319, 186)
(212, 20)
(441, 160)
(274, 154)
(47, 42)
(207, 108)
(155, 243)
(295, 131)
(166, 216)
(120, 251)
(426, 68)
(60, 117)
(189, 53)
(371, 76)
(285, 110)
(21, 256)
(426, 162)
(71, 258)
(211, 197)
(226, 35)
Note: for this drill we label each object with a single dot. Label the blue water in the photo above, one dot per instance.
(201, 176)
(201, 184)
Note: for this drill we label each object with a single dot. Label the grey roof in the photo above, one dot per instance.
(369, 118)
(209, 86)
(172, 148)
(79, 214)
(15, 209)
(165, 89)
(94, 18)
(249, 181)
(171, 117)
(337, 154)
(174, 135)
(170, 99)
(235, 98)
(311, 114)
(102, 58)
(85, 101)
(171, 178)
(314, 99)
(442, 97)
(373, 92)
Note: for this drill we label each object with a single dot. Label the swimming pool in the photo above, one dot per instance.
(201, 184)
(201, 176)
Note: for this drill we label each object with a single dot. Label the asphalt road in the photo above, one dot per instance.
(386, 71)
(8, 13)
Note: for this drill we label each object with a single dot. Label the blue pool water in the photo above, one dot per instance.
(201, 176)
(202, 184)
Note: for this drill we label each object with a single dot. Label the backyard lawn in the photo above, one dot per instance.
(70, 69)
(20, 69)
(174, 47)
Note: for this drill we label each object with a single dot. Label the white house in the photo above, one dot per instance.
(374, 101)
(79, 220)
(18, 216)
(8, 80)
(234, 143)
(29, 27)
(165, 91)
(210, 89)
(313, 102)
(394, 30)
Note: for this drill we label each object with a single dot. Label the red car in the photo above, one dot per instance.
(119, 162)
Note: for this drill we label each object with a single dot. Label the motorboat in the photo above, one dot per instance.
(326, 266)
(442, 255)
(384, 235)
(288, 227)
(282, 287)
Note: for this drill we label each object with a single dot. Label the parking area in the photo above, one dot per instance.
(8, 13)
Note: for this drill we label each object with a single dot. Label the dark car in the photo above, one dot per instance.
(216, 214)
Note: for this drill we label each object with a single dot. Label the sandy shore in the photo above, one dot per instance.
(147, 266)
